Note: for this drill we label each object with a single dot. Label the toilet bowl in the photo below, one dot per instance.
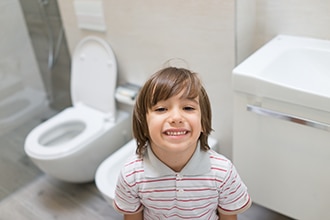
(72, 144)
(108, 172)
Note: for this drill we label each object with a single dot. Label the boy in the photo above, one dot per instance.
(175, 175)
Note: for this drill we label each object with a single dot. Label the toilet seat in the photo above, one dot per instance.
(92, 120)
(94, 75)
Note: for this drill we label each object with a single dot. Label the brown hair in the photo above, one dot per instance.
(162, 85)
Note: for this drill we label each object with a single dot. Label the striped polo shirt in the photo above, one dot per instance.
(208, 183)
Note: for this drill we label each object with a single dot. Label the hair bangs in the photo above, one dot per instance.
(169, 85)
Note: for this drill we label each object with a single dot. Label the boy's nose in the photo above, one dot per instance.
(176, 116)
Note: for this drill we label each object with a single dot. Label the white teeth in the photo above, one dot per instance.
(176, 133)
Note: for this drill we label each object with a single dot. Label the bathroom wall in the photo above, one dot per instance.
(264, 19)
(146, 33)
(245, 28)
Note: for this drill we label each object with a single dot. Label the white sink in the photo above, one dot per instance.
(288, 68)
(281, 125)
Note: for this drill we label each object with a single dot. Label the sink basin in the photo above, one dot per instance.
(288, 68)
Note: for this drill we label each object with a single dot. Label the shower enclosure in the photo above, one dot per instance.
(34, 61)
(47, 36)
(34, 81)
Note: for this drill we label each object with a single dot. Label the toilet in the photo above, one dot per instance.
(72, 144)
(108, 172)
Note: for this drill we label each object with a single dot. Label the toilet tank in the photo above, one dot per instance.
(281, 128)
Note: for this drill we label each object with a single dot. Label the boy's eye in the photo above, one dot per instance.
(189, 108)
(160, 109)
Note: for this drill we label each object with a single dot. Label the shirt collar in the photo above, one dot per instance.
(198, 164)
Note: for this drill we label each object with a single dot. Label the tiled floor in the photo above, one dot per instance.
(257, 212)
(16, 170)
(28, 194)
(46, 198)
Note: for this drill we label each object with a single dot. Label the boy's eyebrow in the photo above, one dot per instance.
(196, 100)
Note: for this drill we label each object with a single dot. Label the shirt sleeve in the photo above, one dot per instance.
(233, 197)
(126, 199)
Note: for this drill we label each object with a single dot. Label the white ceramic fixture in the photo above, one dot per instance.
(71, 145)
(281, 135)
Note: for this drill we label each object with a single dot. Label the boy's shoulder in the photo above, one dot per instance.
(218, 159)
(133, 162)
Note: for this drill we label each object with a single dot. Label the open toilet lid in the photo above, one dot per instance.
(94, 75)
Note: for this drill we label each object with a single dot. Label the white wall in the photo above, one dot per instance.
(146, 33)
(245, 28)
(261, 20)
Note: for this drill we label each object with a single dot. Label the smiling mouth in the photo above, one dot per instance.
(176, 133)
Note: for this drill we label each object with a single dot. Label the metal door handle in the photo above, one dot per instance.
(287, 117)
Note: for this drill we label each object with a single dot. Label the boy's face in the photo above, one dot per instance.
(174, 124)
